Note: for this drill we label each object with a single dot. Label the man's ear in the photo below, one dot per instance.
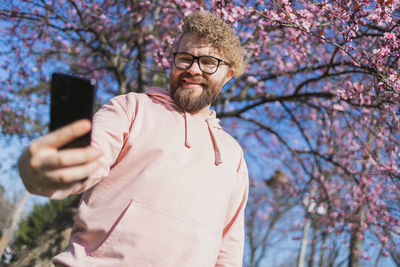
(229, 75)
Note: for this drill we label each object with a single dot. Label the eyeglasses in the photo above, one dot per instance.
(207, 64)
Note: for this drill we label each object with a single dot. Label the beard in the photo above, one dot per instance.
(185, 99)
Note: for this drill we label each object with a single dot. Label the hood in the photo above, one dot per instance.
(212, 122)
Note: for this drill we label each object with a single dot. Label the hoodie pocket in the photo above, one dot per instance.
(105, 247)
(146, 234)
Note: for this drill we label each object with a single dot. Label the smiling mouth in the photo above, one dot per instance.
(191, 83)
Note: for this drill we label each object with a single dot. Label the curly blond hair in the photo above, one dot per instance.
(210, 28)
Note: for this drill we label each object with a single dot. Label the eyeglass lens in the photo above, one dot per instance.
(207, 64)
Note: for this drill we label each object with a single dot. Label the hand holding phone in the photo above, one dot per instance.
(45, 168)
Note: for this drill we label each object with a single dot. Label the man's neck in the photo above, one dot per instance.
(202, 113)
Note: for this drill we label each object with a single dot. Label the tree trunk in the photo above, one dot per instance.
(17, 214)
(356, 241)
(322, 254)
(310, 262)
(141, 67)
(303, 249)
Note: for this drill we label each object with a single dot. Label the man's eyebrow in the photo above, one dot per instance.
(212, 54)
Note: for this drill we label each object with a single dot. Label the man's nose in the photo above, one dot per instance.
(195, 68)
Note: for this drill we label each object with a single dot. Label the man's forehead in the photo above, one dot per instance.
(190, 41)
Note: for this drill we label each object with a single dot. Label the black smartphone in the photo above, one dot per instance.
(71, 98)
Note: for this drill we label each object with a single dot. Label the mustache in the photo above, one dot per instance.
(198, 79)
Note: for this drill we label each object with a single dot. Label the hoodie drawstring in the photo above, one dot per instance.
(212, 122)
(187, 144)
(217, 152)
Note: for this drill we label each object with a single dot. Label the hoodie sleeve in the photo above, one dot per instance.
(111, 126)
(232, 245)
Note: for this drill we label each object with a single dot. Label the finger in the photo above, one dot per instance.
(69, 157)
(64, 135)
(70, 188)
(78, 156)
(69, 175)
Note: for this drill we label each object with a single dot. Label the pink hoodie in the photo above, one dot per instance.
(171, 191)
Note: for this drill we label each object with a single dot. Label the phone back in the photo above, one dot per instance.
(72, 98)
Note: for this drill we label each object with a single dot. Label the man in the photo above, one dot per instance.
(167, 186)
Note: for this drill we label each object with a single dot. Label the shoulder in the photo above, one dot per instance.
(129, 102)
(232, 147)
(230, 141)
(130, 98)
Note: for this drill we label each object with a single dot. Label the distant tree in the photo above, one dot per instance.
(40, 219)
(6, 209)
(267, 219)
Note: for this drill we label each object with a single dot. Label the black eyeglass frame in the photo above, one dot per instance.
(198, 62)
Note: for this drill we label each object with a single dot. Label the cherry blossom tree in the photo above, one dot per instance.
(318, 101)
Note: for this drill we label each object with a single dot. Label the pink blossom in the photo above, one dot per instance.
(252, 79)
(384, 239)
(338, 107)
